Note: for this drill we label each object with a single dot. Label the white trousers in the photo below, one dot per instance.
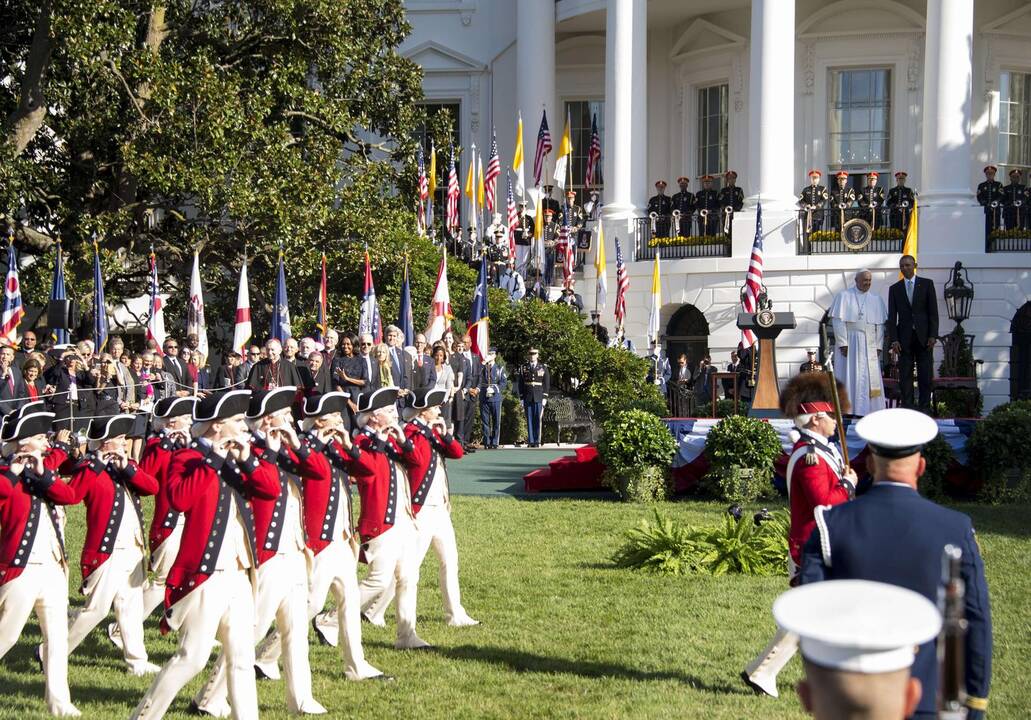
(161, 561)
(43, 588)
(765, 667)
(222, 608)
(433, 527)
(336, 569)
(118, 583)
(392, 559)
(283, 598)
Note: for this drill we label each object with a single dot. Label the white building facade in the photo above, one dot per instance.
(770, 89)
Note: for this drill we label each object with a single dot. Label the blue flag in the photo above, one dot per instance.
(479, 315)
(280, 307)
(404, 314)
(58, 292)
(100, 326)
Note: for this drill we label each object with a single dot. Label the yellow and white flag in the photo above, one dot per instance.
(517, 159)
(470, 186)
(909, 247)
(653, 315)
(565, 151)
(602, 287)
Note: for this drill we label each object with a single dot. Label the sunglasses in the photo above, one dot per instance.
(171, 347)
(254, 354)
(364, 344)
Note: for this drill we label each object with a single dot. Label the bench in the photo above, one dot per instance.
(567, 413)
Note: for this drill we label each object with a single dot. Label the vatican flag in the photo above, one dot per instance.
(565, 150)
(653, 316)
(517, 160)
(602, 288)
(912, 237)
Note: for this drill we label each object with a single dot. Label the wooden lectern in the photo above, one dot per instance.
(766, 399)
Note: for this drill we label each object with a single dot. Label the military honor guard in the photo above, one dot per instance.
(731, 199)
(512, 282)
(991, 198)
(660, 206)
(816, 476)
(534, 385)
(900, 202)
(1014, 198)
(659, 371)
(114, 553)
(492, 386)
(813, 200)
(549, 238)
(550, 203)
(860, 540)
(33, 566)
(523, 239)
(212, 584)
(871, 200)
(683, 203)
(707, 204)
(842, 198)
(811, 364)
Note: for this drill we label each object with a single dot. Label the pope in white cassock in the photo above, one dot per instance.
(858, 317)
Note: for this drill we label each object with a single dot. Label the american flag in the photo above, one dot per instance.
(156, 321)
(14, 310)
(424, 192)
(543, 148)
(622, 285)
(454, 193)
(564, 235)
(593, 152)
(490, 183)
(513, 219)
(754, 277)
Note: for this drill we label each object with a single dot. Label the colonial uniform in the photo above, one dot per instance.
(212, 584)
(492, 384)
(114, 552)
(900, 202)
(871, 200)
(731, 199)
(1015, 198)
(991, 198)
(813, 200)
(661, 205)
(861, 541)
(33, 568)
(841, 201)
(683, 202)
(707, 204)
(534, 385)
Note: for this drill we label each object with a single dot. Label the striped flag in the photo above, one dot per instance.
(404, 313)
(493, 172)
(479, 315)
(195, 311)
(281, 326)
(656, 307)
(242, 319)
(156, 320)
(470, 187)
(58, 292)
(369, 319)
(513, 220)
(100, 325)
(912, 242)
(565, 154)
(322, 311)
(543, 148)
(517, 159)
(480, 192)
(567, 243)
(602, 287)
(593, 152)
(14, 310)
(440, 305)
(432, 182)
(424, 192)
(754, 277)
(622, 285)
(454, 192)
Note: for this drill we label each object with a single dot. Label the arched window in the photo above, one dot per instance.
(687, 332)
(1020, 354)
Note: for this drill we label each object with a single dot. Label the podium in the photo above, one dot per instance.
(766, 325)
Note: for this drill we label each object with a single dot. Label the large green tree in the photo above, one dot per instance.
(241, 126)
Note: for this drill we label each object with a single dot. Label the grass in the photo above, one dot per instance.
(564, 635)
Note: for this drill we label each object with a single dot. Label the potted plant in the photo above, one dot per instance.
(637, 449)
(741, 452)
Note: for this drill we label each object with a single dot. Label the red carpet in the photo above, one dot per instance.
(571, 472)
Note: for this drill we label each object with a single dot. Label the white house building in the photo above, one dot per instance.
(769, 88)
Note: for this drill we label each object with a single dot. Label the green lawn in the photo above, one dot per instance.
(563, 634)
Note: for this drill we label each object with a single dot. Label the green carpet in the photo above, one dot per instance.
(500, 472)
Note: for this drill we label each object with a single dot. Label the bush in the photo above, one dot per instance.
(741, 451)
(938, 455)
(642, 485)
(513, 420)
(637, 449)
(735, 546)
(724, 408)
(1003, 462)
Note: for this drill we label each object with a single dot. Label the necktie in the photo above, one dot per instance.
(909, 291)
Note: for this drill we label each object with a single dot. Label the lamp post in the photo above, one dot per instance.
(959, 294)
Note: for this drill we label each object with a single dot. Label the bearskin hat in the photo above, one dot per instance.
(808, 393)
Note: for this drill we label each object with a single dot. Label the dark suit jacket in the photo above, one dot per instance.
(260, 373)
(400, 367)
(226, 376)
(177, 369)
(12, 391)
(904, 319)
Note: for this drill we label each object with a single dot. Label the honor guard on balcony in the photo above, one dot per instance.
(810, 364)
(812, 200)
(683, 202)
(871, 200)
(1015, 199)
(707, 203)
(841, 200)
(731, 199)
(660, 205)
(523, 239)
(550, 239)
(577, 217)
(900, 202)
(550, 203)
(990, 197)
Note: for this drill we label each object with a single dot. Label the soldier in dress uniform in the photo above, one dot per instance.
(550, 203)
(523, 239)
(900, 201)
(860, 540)
(577, 217)
(731, 199)
(841, 200)
(512, 282)
(813, 200)
(683, 202)
(549, 238)
(492, 384)
(991, 198)
(706, 202)
(432, 446)
(811, 364)
(1015, 198)
(661, 205)
(534, 386)
(659, 371)
(114, 553)
(33, 568)
(871, 200)
(211, 586)
(816, 476)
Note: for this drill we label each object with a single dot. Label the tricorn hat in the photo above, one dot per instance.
(427, 398)
(220, 407)
(266, 402)
(326, 403)
(384, 397)
(25, 426)
(106, 428)
(171, 407)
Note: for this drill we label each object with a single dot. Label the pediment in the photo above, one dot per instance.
(703, 36)
(854, 17)
(433, 57)
(1017, 23)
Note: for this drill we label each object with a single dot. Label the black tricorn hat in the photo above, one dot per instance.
(105, 428)
(426, 398)
(266, 402)
(171, 407)
(25, 426)
(384, 397)
(220, 407)
(326, 403)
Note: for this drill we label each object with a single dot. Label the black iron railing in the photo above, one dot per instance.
(1008, 241)
(819, 231)
(704, 238)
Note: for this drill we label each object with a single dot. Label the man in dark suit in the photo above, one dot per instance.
(400, 361)
(861, 540)
(12, 385)
(912, 329)
(471, 368)
(175, 367)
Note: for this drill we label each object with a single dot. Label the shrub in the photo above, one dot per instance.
(724, 408)
(741, 451)
(1005, 465)
(637, 449)
(938, 455)
(513, 420)
(642, 485)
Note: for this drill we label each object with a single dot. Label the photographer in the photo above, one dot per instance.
(70, 380)
(104, 399)
(703, 381)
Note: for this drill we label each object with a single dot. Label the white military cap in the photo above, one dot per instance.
(896, 432)
(858, 625)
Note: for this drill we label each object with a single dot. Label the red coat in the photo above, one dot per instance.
(427, 448)
(105, 506)
(57, 456)
(326, 486)
(267, 512)
(157, 456)
(810, 486)
(21, 511)
(199, 486)
(376, 471)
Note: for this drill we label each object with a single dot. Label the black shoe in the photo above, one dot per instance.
(38, 654)
(748, 681)
(469, 450)
(259, 674)
(318, 632)
(382, 678)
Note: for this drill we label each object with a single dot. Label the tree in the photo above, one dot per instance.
(242, 126)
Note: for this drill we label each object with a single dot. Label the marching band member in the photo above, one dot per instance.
(816, 475)
(431, 501)
(33, 569)
(114, 553)
(331, 538)
(281, 560)
(211, 586)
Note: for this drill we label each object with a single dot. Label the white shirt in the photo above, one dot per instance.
(292, 537)
(130, 534)
(45, 546)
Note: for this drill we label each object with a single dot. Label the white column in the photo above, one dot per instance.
(771, 105)
(535, 82)
(626, 112)
(948, 71)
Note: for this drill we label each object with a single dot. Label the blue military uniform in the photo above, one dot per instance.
(492, 385)
(534, 384)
